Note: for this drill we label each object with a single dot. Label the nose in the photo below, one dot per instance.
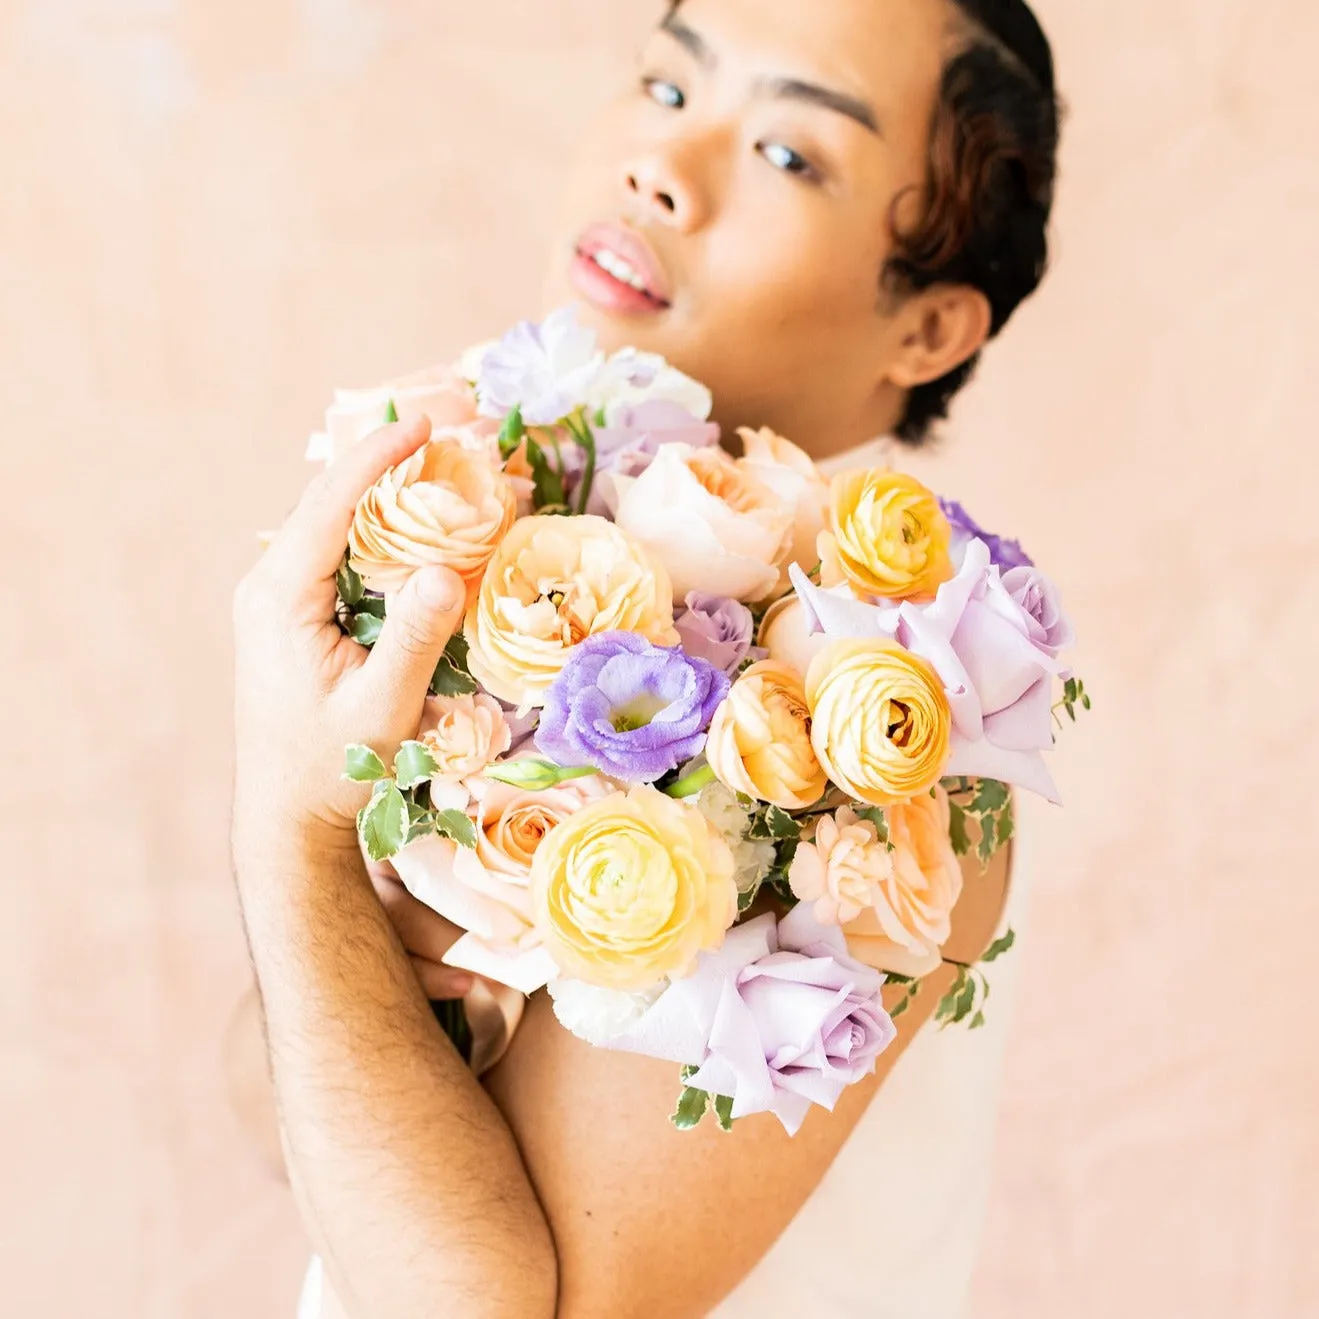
(663, 190)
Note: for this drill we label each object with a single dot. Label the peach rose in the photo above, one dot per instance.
(842, 869)
(887, 537)
(760, 739)
(443, 505)
(631, 889)
(785, 633)
(464, 734)
(440, 393)
(553, 582)
(880, 721)
(799, 484)
(488, 891)
(707, 518)
(904, 930)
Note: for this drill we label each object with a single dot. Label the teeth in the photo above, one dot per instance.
(621, 270)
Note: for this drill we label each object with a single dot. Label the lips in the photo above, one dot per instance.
(627, 258)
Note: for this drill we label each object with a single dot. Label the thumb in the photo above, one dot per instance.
(420, 622)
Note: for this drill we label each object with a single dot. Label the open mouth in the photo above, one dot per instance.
(615, 268)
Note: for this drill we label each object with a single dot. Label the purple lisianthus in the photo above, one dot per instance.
(546, 370)
(779, 1018)
(718, 630)
(629, 708)
(629, 445)
(1006, 553)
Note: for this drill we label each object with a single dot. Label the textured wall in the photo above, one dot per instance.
(211, 214)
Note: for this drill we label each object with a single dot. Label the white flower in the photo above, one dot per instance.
(599, 1015)
(630, 378)
(752, 857)
(547, 370)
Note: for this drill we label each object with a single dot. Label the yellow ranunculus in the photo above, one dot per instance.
(760, 739)
(554, 582)
(630, 890)
(880, 721)
(887, 536)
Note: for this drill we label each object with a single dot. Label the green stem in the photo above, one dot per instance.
(582, 433)
(692, 784)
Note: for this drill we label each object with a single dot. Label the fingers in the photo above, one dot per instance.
(310, 547)
(441, 982)
(421, 620)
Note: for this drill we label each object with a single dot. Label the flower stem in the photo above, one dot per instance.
(692, 784)
(585, 437)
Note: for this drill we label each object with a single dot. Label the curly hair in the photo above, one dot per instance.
(984, 214)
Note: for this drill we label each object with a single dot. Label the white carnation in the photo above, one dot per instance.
(599, 1015)
(752, 857)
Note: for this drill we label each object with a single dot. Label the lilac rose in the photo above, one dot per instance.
(717, 630)
(779, 1018)
(1041, 604)
(1006, 553)
(629, 708)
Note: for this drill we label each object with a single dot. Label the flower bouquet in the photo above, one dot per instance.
(715, 732)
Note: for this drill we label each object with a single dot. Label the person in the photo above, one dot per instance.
(823, 212)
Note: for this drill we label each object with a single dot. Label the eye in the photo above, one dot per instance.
(786, 159)
(664, 93)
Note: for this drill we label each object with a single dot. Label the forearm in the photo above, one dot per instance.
(411, 1182)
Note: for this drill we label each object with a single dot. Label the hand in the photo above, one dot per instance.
(424, 934)
(303, 690)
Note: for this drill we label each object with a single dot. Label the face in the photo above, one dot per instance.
(732, 210)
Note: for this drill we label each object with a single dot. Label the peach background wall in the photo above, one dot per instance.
(210, 214)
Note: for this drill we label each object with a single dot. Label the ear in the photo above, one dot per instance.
(937, 330)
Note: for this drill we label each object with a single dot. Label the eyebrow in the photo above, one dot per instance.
(783, 89)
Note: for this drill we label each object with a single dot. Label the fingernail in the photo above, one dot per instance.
(460, 985)
(437, 589)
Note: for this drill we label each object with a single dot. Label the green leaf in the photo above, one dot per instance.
(384, 824)
(991, 797)
(781, 825)
(957, 831)
(948, 1003)
(691, 1109)
(391, 413)
(966, 1001)
(456, 825)
(747, 900)
(414, 764)
(448, 681)
(349, 584)
(999, 947)
(1085, 702)
(876, 816)
(511, 433)
(365, 629)
(977, 1021)
(373, 605)
(420, 822)
(547, 484)
(363, 765)
(723, 1111)
(1006, 826)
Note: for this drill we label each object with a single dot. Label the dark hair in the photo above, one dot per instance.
(988, 192)
(989, 184)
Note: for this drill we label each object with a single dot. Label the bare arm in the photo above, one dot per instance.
(409, 1180)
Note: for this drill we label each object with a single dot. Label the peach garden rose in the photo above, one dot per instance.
(554, 582)
(445, 505)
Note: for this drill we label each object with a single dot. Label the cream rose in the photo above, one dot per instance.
(440, 393)
(631, 889)
(444, 505)
(707, 518)
(554, 582)
(881, 725)
(799, 484)
(759, 742)
(785, 633)
(905, 927)
(842, 869)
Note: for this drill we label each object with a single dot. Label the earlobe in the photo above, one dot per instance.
(939, 330)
